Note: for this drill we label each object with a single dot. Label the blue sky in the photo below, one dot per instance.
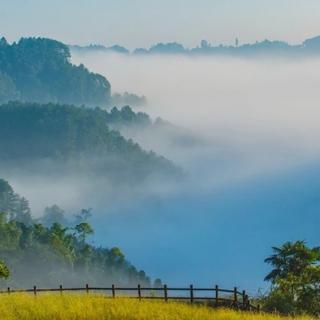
(135, 23)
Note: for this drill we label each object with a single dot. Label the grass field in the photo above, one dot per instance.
(97, 307)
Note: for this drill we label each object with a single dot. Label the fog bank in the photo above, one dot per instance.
(244, 132)
(254, 116)
(253, 170)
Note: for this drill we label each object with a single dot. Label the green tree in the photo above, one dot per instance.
(83, 229)
(8, 198)
(11, 203)
(56, 254)
(295, 278)
(23, 211)
(4, 271)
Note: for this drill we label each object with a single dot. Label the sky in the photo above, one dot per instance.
(140, 23)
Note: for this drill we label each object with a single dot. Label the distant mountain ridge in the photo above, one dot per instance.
(266, 47)
(99, 47)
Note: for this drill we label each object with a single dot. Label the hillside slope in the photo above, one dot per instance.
(74, 137)
(39, 70)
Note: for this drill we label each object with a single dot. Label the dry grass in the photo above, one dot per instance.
(98, 307)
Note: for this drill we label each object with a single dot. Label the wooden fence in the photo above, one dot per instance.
(215, 296)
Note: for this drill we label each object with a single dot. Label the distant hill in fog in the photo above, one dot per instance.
(79, 138)
(309, 47)
(99, 47)
(39, 70)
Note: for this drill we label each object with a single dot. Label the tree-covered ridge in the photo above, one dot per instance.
(39, 70)
(49, 255)
(30, 131)
(125, 117)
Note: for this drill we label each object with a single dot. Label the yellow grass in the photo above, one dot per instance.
(97, 307)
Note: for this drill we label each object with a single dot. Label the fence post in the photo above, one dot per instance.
(8, 290)
(139, 291)
(247, 302)
(217, 296)
(165, 288)
(191, 293)
(35, 290)
(244, 299)
(60, 289)
(113, 291)
(235, 297)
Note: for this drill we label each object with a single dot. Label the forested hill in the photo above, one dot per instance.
(31, 132)
(39, 70)
(51, 254)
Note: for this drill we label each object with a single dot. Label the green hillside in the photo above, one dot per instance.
(39, 70)
(65, 134)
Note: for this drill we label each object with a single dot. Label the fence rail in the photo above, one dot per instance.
(215, 296)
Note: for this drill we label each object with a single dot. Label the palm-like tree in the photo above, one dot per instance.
(291, 259)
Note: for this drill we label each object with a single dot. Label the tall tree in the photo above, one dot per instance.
(295, 278)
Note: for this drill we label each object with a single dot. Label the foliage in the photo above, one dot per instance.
(4, 271)
(49, 255)
(97, 307)
(16, 207)
(39, 70)
(295, 278)
(127, 98)
(62, 132)
(126, 117)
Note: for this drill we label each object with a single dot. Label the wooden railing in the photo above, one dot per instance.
(215, 296)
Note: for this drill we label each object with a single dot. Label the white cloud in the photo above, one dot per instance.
(257, 116)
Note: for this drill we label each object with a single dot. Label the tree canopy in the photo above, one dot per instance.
(57, 254)
(77, 136)
(16, 207)
(295, 278)
(39, 70)
(4, 271)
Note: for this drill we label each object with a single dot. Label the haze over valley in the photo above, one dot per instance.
(244, 133)
(215, 159)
